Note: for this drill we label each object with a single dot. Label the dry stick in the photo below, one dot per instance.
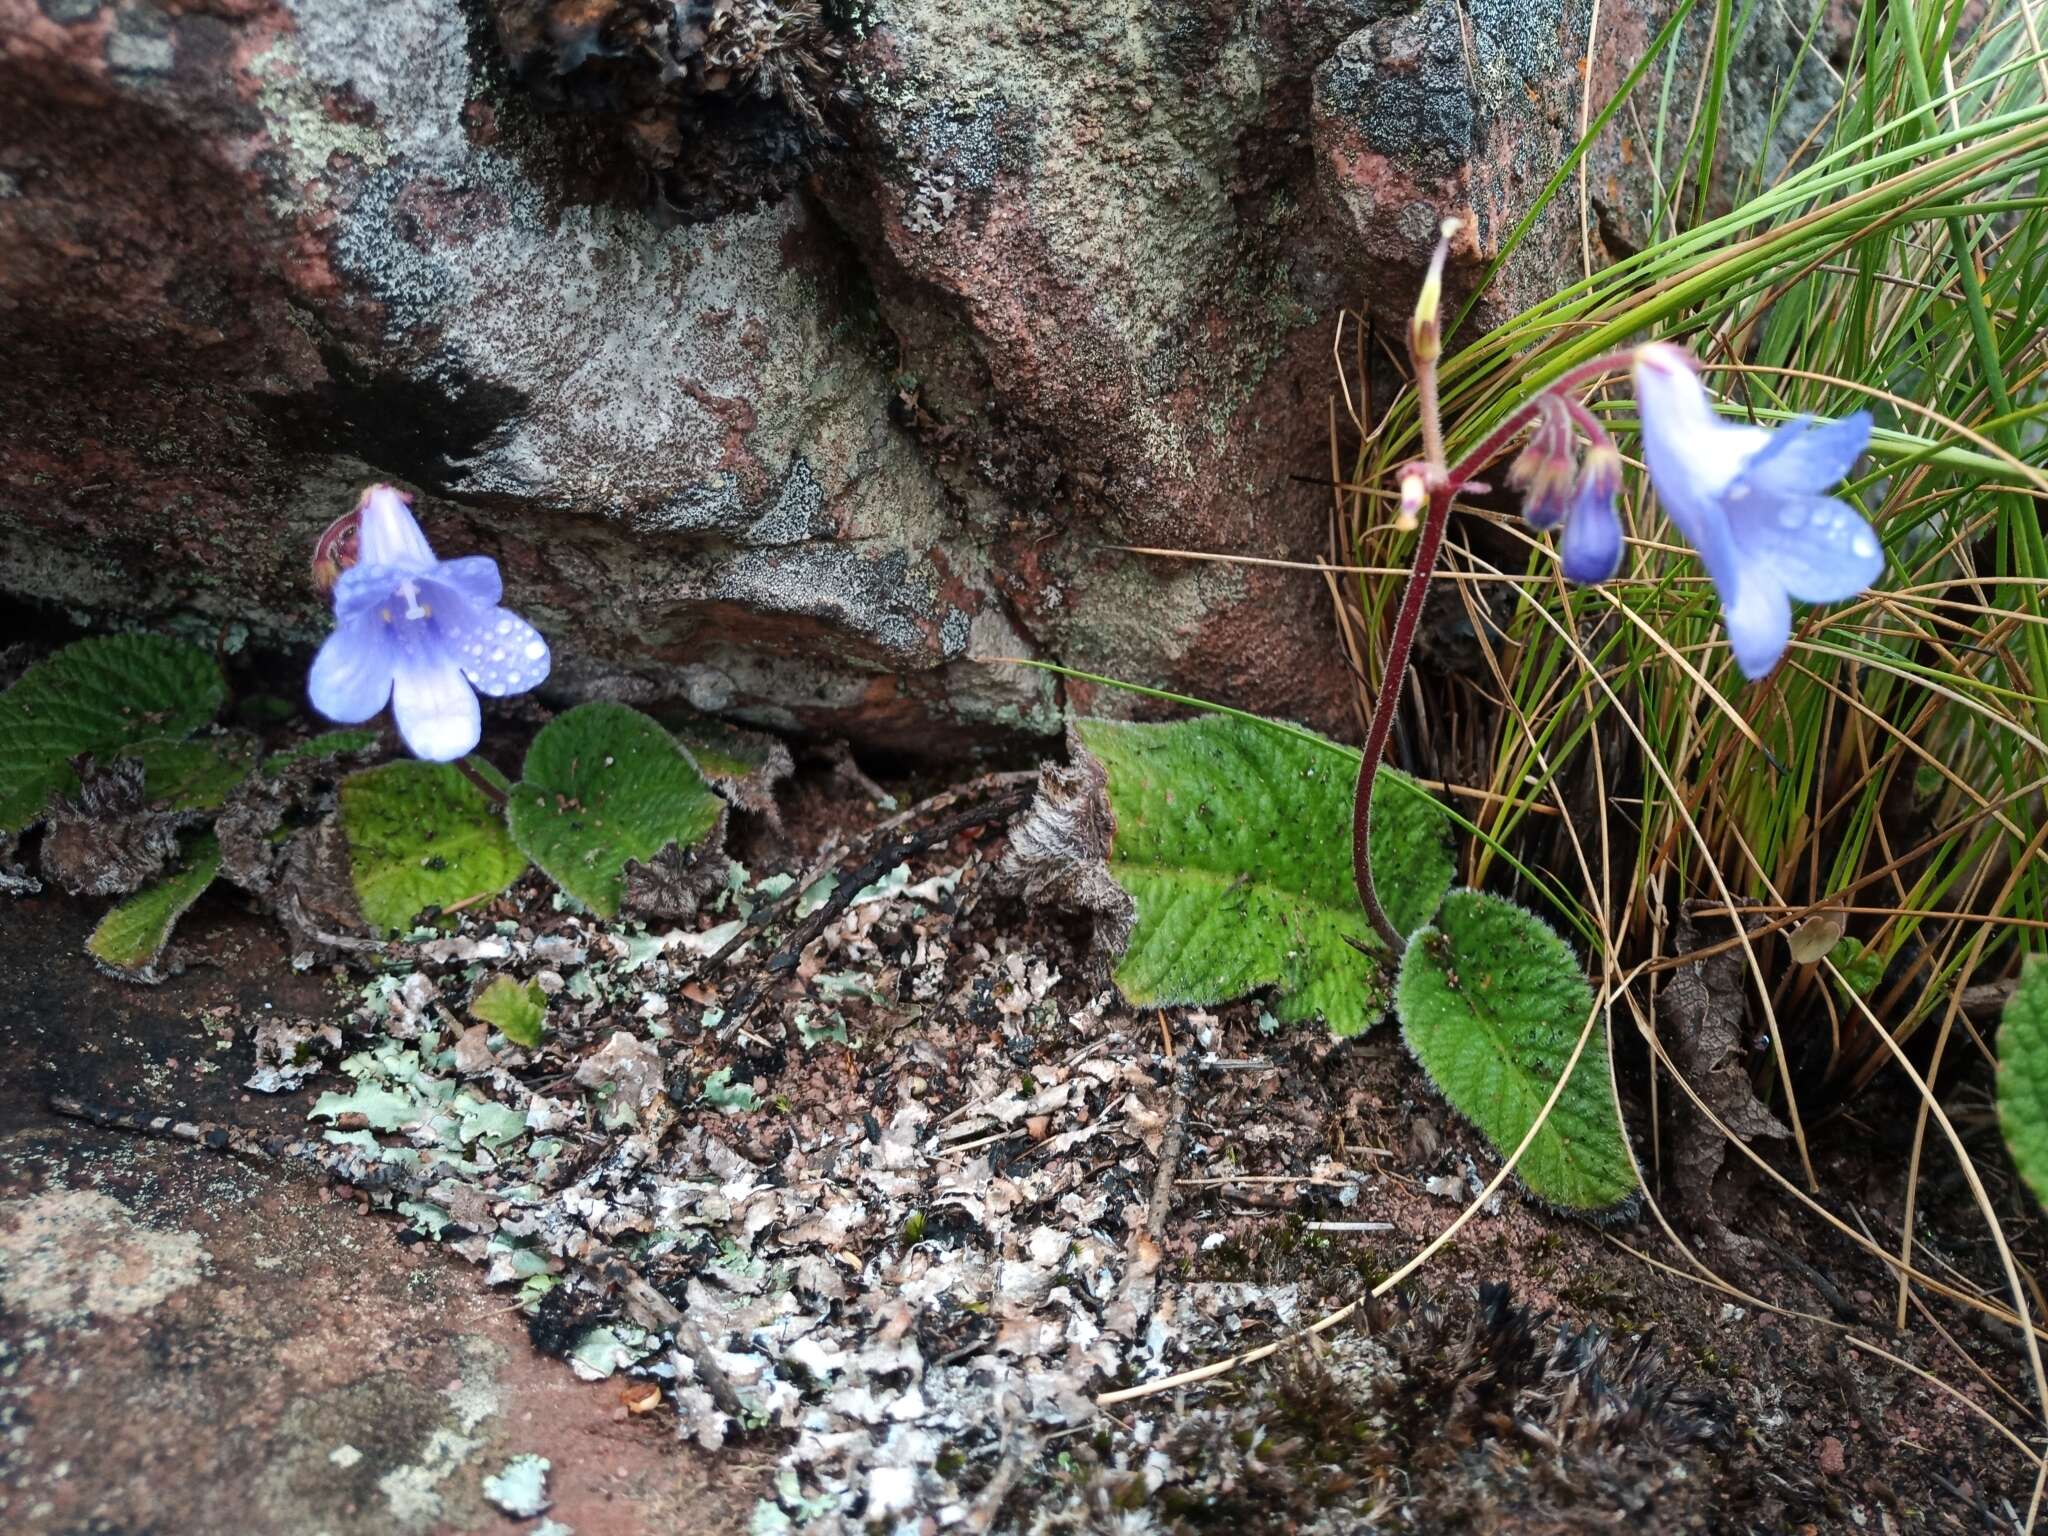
(371, 1174)
(998, 807)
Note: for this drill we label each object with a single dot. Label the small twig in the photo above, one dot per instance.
(1170, 1144)
(467, 768)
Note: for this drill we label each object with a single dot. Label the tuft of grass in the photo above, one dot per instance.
(1891, 772)
(1891, 779)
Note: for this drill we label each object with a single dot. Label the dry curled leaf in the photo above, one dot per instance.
(1703, 1014)
(106, 840)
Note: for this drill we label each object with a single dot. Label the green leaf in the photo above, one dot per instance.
(515, 1009)
(604, 785)
(1491, 1002)
(96, 696)
(2023, 1076)
(133, 935)
(1234, 842)
(326, 745)
(746, 765)
(421, 835)
(192, 775)
(1861, 968)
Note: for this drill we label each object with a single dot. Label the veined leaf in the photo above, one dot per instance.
(421, 835)
(1234, 844)
(1491, 1002)
(604, 785)
(132, 937)
(96, 696)
(2023, 1076)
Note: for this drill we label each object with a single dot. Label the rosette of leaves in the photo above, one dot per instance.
(1215, 854)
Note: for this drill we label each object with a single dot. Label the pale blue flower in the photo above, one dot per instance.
(1750, 501)
(1589, 549)
(422, 634)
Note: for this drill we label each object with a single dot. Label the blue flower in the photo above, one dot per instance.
(422, 634)
(1750, 501)
(1589, 549)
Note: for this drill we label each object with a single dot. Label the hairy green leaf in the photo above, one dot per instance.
(2023, 1076)
(96, 696)
(605, 785)
(1491, 1002)
(193, 775)
(1233, 840)
(421, 835)
(133, 935)
(514, 1008)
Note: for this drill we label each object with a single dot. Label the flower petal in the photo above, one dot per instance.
(1589, 549)
(351, 677)
(1759, 617)
(1807, 455)
(1817, 548)
(1693, 454)
(435, 707)
(475, 577)
(363, 588)
(499, 651)
(387, 533)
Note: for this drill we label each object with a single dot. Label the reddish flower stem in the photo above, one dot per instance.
(491, 792)
(1428, 546)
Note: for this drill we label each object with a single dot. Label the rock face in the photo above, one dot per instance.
(1053, 279)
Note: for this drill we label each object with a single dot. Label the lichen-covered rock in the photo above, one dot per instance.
(1059, 280)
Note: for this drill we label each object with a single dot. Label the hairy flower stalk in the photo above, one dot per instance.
(419, 633)
(1752, 503)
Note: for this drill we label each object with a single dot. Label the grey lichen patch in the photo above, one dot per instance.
(141, 42)
(872, 595)
(1408, 89)
(795, 512)
(69, 1256)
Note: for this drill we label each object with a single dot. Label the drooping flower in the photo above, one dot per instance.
(1542, 471)
(422, 634)
(1752, 502)
(1589, 549)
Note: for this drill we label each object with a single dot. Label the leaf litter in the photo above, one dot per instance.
(904, 1210)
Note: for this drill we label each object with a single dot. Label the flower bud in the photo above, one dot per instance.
(335, 551)
(1544, 470)
(1414, 497)
(1425, 330)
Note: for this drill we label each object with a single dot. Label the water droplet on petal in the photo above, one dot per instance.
(1863, 546)
(1792, 515)
(535, 650)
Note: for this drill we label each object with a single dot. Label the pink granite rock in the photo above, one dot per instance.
(1053, 281)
